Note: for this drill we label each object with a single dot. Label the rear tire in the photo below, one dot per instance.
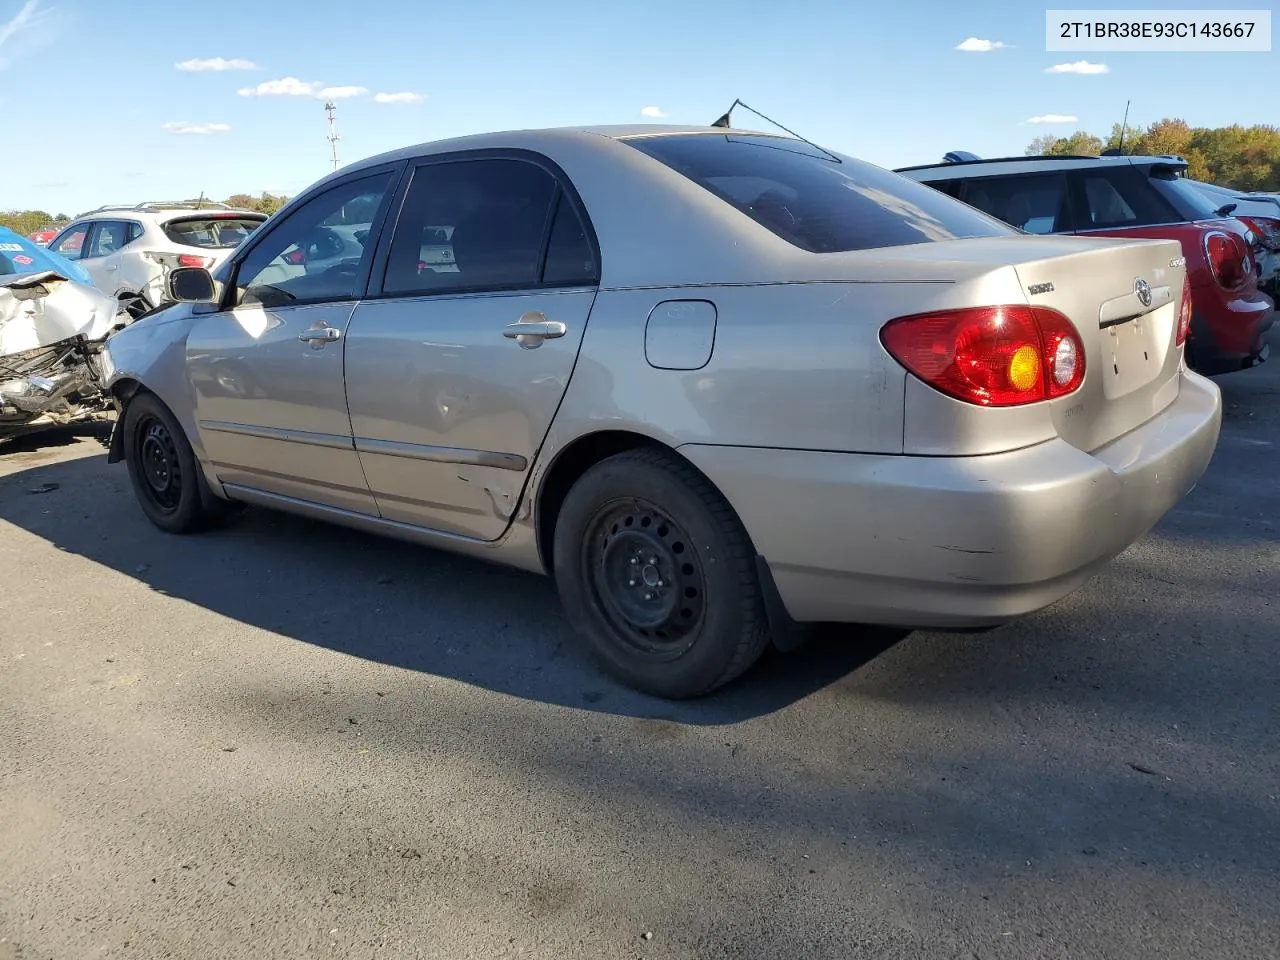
(163, 470)
(658, 576)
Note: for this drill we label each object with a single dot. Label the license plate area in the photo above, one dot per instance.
(1131, 357)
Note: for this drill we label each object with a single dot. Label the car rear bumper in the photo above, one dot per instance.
(1231, 334)
(955, 542)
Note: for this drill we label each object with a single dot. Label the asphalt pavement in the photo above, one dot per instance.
(283, 740)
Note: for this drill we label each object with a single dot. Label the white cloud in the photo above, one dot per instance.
(340, 93)
(182, 126)
(405, 97)
(284, 87)
(655, 112)
(1053, 118)
(217, 64)
(293, 87)
(1080, 66)
(22, 23)
(974, 45)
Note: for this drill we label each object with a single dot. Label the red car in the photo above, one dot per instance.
(43, 236)
(1119, 196)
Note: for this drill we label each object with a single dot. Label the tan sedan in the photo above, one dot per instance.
(720, 384)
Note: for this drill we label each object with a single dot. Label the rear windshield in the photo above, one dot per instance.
(1188, 200)
(811, 200)
(19, 256)
(215, 232)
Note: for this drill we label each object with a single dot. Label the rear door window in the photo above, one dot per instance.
(1110, 198)
(570, 259)
(1036, 203)
(812, 200)
(107, 237)
(477, 225)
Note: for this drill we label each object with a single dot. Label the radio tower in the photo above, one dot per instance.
(330, 111)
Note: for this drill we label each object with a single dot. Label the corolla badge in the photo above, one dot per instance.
(1143, 290)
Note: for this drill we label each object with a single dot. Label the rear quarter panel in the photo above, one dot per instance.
(792, 365)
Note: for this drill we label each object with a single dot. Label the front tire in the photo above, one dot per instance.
(658, 576)
(163, 470)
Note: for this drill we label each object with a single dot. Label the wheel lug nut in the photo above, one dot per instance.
(631, 583)
(648, 596)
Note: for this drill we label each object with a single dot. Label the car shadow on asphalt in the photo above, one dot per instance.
(383, 600)
(40, 444)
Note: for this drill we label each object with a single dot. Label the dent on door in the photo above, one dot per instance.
(451, 398)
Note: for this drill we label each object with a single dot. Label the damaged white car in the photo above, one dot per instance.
(53, 323)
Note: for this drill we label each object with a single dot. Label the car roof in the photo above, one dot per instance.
(1004, 166)
(546, 138)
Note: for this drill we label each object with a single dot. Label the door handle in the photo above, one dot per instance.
(319, 335)
(534, 327)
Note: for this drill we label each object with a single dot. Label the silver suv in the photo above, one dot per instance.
(129, 250)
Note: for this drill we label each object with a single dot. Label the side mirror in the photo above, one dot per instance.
(191, 285)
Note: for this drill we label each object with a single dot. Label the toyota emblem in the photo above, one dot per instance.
(1143, 290)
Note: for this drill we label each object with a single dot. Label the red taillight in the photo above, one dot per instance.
(295, 257)
(992, 356)
(191, 260)
(1228, 258)
(1184, 312)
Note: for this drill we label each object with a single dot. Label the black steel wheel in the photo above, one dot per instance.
(162, 468)
(658, 576)
(160, 465)
(646, 578)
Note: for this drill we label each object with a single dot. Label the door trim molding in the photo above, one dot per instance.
(426, 451)
(331, 440)
(387, 448)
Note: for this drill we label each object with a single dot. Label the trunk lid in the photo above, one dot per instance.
(1123, 298)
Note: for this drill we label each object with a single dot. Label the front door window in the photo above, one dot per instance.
(320, 252)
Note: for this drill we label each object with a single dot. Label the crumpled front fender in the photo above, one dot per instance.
(150, 354)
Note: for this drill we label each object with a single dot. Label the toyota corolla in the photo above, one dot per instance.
(719, 384)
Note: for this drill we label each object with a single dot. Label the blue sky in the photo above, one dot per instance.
(87, 87)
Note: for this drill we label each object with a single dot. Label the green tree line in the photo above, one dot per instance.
(1243, 158)
(27, 222)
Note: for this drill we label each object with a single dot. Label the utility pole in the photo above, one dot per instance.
(330, 111)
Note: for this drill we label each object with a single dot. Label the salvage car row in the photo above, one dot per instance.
(720, 385)
(103, 270)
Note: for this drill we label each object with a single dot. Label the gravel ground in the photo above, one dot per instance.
(285, 740)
